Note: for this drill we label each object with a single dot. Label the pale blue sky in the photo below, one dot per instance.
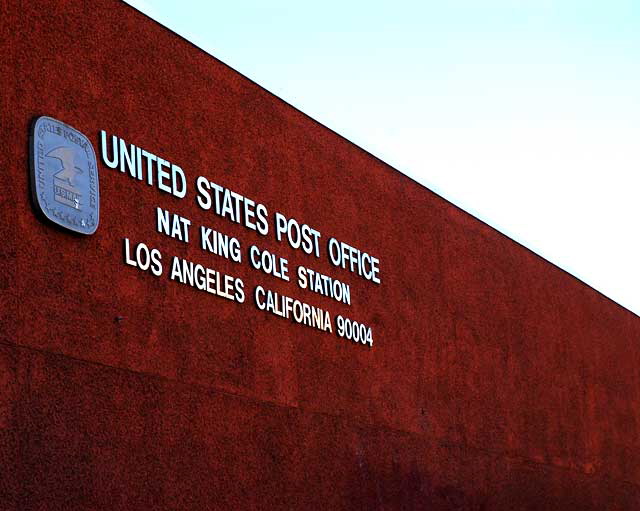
(524, 113)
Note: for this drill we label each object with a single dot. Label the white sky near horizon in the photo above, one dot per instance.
(525, 113)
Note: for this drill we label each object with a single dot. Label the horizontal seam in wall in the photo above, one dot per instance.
(349, 420)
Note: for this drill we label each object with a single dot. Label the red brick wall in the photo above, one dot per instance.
(496, 380)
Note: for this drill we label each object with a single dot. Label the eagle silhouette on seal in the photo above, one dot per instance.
(69, 171)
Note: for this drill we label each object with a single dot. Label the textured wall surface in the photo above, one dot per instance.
(496, 380)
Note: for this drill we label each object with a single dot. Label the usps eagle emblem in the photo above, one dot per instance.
(64, 176)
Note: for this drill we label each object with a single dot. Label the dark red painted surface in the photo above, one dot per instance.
(496, 381)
